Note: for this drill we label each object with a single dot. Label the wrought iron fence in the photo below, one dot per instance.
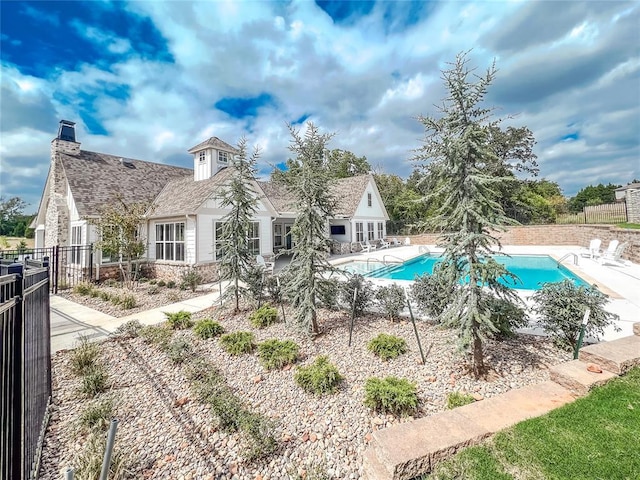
(25, 367)
(69, 265)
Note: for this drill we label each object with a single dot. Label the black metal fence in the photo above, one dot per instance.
(69, 265)
(25, 367)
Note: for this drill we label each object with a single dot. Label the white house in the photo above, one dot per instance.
(184, 222)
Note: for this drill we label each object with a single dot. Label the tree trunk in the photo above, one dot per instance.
(478, 357)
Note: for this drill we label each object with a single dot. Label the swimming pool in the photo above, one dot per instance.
(532, 270)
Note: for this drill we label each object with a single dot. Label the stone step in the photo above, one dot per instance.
(575, 376)
(616, 356)
(636, 328)
(373, 468)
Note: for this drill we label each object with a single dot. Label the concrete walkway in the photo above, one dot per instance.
(69, 320)
(410, 449)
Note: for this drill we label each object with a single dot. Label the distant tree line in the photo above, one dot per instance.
(13, 221)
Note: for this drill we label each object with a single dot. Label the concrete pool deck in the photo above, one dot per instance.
(620, 283)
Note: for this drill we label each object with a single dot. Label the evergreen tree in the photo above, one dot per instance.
(241, 198)
(308, 180)
(458, 144)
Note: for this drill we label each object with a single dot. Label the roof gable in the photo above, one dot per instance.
(213, 142)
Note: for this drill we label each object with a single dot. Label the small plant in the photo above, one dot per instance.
(97, 416)
(207, 328)
(94, 381)
(433, 293)
(506, 316)
(237, 343)
(105, 296)
(179, 350)
(156, 335)
(161, 283)
(319, 377)
(561, 306)
(387, 346)
(274, 354)
(89, 462)
(391, 394)
(179, 320)
(130, 329)
(153, 290)
(115, 299)
(94, 293)
(128, 302)
(111, 282)
(263, 317)
(363, 298)
(83, 288)
(391, 299)
(191, 279)
(153, 281)
(171, 284)
(274, 290)
(173, 297)
(329, 293)
(84, 356)
(458, 399)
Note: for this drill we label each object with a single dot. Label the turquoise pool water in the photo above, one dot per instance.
(532, 270)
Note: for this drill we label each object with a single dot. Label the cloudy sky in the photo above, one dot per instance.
(149, 80)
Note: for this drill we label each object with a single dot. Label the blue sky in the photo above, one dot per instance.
(149, 80)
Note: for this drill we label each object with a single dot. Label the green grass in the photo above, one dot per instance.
(596, 437)
(634, 226)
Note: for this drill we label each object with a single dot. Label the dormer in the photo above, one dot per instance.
(210, 156)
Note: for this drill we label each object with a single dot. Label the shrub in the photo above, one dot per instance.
(171, 284)
(156, 335)
(319, 377)
(179, 320)
(97, 416)
(89, 463)
(178, 350)
(143, 279)
(391, 394)
(432, 293)
(254, 279)
(275, 353)
(207, 328)
(330, 288)
(363, 299)
(561, 307)
(263, 317)
(83, 288)
(111, 282)
(237, 343)
(153, 281)
(153, 290)
(191, 279)
(161, 283)
(115, 299)
(506, 316)
(274, 291)
(105, 296)
(128, 302)
(173, 297)
(94, 293)
(83, 357)
(391, 299)
(94, 381)
(458, 399)
(387, 346)
(130, 329)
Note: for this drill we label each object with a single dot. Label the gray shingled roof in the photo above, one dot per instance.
(634, 186)
(347, 192)
(96, 179)
(213, 142)
(184, 196)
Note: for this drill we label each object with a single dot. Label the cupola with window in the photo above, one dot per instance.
(210, 156)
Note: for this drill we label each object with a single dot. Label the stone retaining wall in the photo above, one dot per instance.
(560, 235)
(173, 271)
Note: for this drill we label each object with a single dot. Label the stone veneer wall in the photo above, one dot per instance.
(560, 235)
(171, 271)
(632, 198)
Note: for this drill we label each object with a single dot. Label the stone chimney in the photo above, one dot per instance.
(65, 141)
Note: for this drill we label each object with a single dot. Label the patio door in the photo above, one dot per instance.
(287, 236)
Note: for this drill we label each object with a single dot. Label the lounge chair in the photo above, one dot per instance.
(407, 241)
(266, 266)
(615, 257)
(366, 246)
(594, 249)
(395, 242)
(384, 244)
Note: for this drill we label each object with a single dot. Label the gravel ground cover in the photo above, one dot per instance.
(144, 300)
(168, 433)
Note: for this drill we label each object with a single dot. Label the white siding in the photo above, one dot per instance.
(71, 205)
(202, 170)
(347, 231)
(373, 212)
(190, 255)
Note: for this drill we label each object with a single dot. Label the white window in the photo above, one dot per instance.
(202, 156)
(370, 231)
(223, 157)
(170, 241)
(217, 240)
(380, 230)
(277, 235)
(369, 200)
(253, 238)
(76, 242)
(359, 232)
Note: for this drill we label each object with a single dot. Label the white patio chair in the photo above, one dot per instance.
(366, 246)
(407, 241)
(384, 244)
(266, 266)
(593, 251)
(615, 257)
(395, 242)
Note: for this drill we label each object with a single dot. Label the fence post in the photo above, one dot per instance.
(16, 433)
(91, 279)
(56, 268)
